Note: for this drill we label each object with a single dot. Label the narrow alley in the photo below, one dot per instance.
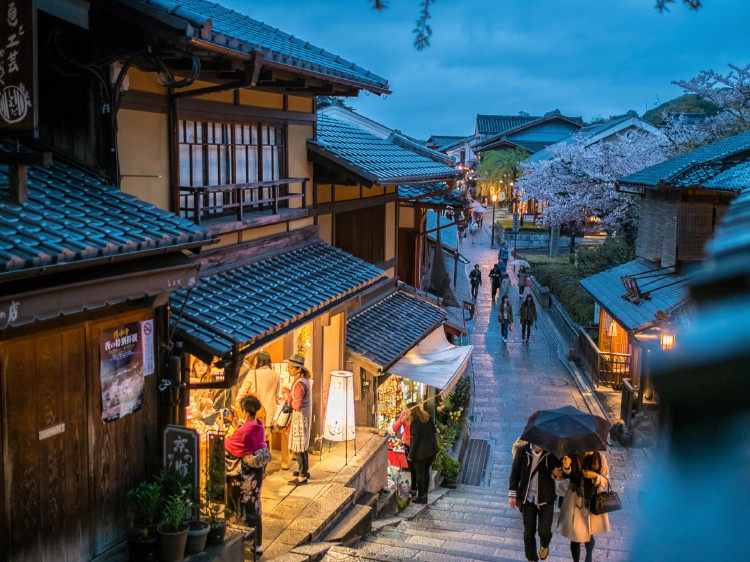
(511, 381)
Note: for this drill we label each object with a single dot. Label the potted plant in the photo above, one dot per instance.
(213, 496)
(447, 466)
(197, 536)
(173, 531)
(144, 502)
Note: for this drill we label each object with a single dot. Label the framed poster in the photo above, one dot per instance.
(121, 370)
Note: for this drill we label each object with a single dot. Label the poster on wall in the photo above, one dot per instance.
(18, 65)
(121, 370)
(147, 339)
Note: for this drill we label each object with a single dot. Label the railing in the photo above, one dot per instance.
(606, 367)
(235, 201)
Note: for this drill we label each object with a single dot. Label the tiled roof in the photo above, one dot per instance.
(529, 146)
(71, 216)
(434, 193)
(378, 160)
(443, 142)
(728, 252)
(695, 167)
(497, 124)
(607, 289)
(415, 146)
(385, 331)
(238, 32)
(735, 178)
(253, 301)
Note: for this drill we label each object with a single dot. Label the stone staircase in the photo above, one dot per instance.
(469, 523)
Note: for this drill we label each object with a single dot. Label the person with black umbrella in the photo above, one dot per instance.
(532, 490)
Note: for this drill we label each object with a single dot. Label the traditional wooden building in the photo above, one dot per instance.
(643, 302)
(530, 133)
(163, 126)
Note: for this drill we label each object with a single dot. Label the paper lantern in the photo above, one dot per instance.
(339, 420)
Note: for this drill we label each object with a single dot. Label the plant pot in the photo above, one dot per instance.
(449, 483)
(151, 530)
(217, 532)
(143, 550)
(197, 537)
(172, 545)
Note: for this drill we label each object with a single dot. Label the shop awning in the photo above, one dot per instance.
(386, 330)
(252, 303)
(434, 362)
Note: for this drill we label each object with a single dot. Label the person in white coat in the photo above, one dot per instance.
(259, 379)
(579, 480)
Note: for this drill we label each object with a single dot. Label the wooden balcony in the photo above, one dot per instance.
(605, 367)
(223, 208)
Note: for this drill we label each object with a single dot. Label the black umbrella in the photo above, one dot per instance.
(567, 431)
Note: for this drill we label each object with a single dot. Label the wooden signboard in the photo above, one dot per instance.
(181, 451)
(18, 66)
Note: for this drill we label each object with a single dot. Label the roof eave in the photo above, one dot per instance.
(344, 163)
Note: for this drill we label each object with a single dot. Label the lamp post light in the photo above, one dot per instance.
(494, 204)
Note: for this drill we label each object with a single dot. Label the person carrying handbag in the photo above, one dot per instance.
(300, 400)
(580, 479)
(247, 454)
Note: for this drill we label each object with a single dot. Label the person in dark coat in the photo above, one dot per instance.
(527, 315)
(496, 276)
(423, 449)
(475, 278)
(505, 316)
(531, 489)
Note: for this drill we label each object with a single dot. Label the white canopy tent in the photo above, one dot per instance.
(434, 362)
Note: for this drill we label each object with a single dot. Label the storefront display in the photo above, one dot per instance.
(393, 394)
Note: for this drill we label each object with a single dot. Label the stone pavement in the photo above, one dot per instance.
(511, 381)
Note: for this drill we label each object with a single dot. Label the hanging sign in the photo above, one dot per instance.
(121, 370)
(147, 337)
(18, 68)
(181, 451)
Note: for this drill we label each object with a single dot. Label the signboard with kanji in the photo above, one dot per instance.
(181, 449)
(18, 57)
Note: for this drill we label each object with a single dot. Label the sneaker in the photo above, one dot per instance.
(543, 552)
(505, 340)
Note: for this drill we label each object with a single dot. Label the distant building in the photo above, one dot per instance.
(530, 133)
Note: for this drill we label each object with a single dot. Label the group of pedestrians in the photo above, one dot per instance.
(538, 480)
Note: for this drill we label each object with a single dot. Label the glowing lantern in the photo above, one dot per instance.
(612, 330)
(339, 422)
(667, 340)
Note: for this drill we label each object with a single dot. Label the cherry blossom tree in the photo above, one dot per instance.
(577, 183)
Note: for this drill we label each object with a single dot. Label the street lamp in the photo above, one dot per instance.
(494, 204)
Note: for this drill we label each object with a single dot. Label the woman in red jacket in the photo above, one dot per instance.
(403, 424)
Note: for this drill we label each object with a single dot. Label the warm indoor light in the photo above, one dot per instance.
(612, 330)
(667, 340)
(339, 419)
(494, 197)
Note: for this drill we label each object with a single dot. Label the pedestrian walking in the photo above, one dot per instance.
(496, 276)
(300, 399)
(475, 279)
(403, 425)
(505, 316)
(473, 229)
(579, 480)
(423, 449)
(505, 285)
(244, 480)
(527, 314)
(532, 490)
(504, 255)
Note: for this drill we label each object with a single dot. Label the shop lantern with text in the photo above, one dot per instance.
(340, 422)
(667, 338)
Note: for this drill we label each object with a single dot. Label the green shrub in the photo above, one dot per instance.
(507, 226)
(447, 465)
(563, 278)
(144, 501)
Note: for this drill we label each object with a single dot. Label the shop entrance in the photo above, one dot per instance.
(45, 445)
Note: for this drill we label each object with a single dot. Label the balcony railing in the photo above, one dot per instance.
(605, 367)
(239, 201)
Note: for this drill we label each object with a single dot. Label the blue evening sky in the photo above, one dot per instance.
(586, 57)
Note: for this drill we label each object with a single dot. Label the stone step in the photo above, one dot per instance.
(355, 522)
(420, 551)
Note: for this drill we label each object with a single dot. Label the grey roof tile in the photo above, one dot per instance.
(607, 289)
(259, 299)
(497, 124)
(277, 46)
(71, 216)
(697, 166)
(381, 159)
(433, 193)
(386, 330)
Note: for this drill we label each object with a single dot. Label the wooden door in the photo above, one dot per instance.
(46, 474)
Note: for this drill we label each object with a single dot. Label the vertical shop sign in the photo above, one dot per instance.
(18, 68)
(147, 337)
(121, 370)
(181, 451)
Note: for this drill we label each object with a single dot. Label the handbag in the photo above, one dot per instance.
(605, 502)
(512, 327)
(259, 458)
(284, 414)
